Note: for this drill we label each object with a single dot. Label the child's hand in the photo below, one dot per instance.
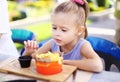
(30, 47)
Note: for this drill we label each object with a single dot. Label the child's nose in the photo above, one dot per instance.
(57, 33)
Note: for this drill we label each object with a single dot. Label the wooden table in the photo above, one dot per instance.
(104, 76)
(80, 76)
(12, 66)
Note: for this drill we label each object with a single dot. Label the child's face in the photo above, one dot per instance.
(63, 28)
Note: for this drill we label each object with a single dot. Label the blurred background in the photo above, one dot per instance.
(34, 16)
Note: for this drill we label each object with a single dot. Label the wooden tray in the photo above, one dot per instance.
(12, 65)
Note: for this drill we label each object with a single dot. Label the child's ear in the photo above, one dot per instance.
(81, 29)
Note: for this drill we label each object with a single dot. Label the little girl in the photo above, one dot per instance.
(69, 32)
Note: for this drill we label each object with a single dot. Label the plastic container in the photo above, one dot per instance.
(48, 68)
(25, 61)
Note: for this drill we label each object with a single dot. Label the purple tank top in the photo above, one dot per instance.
(74, 54)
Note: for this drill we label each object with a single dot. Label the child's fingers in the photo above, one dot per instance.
(35, 45)
(25, 43)
(31, 44)
(28, 43)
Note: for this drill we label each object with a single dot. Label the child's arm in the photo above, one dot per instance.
(46, 47)
(90, 61)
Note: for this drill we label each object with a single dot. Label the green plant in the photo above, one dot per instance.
(92, 6)
(19, 45)
(103, 3)
(117, 11)
(117, 14)
(89, 1)
(99, 5)
(12, 5)
(14, 12)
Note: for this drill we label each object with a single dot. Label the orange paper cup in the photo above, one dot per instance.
(48, 68)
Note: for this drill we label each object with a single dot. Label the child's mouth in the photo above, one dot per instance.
(58, 40)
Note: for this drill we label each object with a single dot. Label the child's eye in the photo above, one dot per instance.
(64, 30)
(54, 28)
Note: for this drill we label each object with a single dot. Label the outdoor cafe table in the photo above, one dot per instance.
(104, 76)
(11, 68)
(79, 76)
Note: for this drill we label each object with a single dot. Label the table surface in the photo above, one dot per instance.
(80, 76)
(104, 76)
(11, 65)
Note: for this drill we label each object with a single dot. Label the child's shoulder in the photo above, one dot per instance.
(83, 41)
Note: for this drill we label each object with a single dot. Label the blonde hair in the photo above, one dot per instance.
(81, 12)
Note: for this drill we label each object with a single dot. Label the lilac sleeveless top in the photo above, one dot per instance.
(74, 54)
